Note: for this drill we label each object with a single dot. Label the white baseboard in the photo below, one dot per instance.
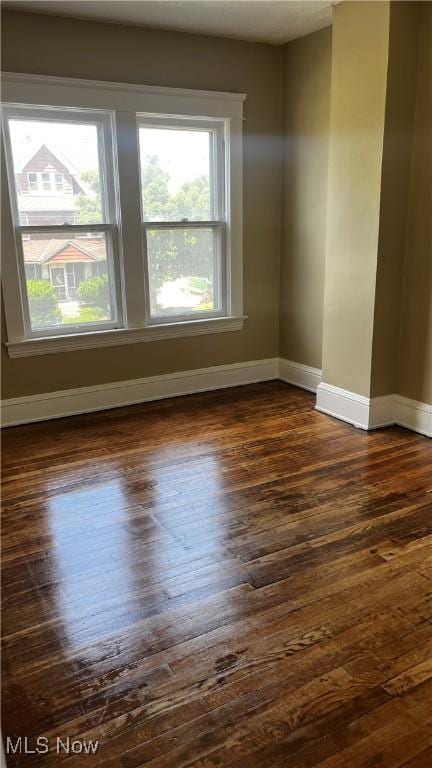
(365, 413)
(300, 375)
(372, 413)
(55, 405)
(414, 415)
(343, 404)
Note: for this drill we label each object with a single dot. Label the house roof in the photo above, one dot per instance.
(33, 149)
(43, 251)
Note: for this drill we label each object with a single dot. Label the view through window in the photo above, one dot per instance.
(126, 214)
(179, 190)
(58, 182)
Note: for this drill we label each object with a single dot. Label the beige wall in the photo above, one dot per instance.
(415, 358)
(71, 48)
(395, 186)
(306, 90)
(358, 94)
(376, 208)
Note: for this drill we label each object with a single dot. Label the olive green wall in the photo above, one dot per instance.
(415, 353)
(306, 112)
(395, 187)
(50, 45)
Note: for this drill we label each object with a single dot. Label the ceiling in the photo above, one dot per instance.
(264, 21)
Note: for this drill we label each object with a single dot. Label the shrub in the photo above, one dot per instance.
(43, 303)
(95, 292)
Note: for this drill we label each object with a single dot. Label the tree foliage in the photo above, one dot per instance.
(95, 292)
(175, 253)
(89, 208)
(43, 304)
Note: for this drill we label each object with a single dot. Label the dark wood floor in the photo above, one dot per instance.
(227, 579)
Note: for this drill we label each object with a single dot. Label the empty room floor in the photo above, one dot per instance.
(226, 579)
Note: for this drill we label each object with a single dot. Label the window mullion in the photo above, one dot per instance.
(131, 232)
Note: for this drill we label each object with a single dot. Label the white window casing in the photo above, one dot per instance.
(119, 109)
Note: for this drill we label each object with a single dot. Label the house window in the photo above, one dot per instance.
(155, 250)
(46, 181)
(46, 309)
(32, 181)
(182, 189)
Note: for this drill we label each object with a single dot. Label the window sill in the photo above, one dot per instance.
(112, 338)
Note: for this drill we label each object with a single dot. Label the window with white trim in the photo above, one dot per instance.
(182, 193)
(55, 303)
(141, 237)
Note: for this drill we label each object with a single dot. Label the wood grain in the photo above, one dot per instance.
(226, 579)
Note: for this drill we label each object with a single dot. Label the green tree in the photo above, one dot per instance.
(89, 207)
(42, 304)
(155, 192)
(192, 201)
(175, 253)
(95, 292)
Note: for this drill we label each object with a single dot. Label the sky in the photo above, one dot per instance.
(184, 154)
(77, 142)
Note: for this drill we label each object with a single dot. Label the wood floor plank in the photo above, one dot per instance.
(225, 579)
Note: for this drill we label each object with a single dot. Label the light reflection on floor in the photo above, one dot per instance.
(104, 530)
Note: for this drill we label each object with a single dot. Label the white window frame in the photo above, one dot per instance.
(108, 226)
(124, 103)
(217, 222)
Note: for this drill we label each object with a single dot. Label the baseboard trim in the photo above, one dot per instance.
(344, 405)
(363, 412)
(414, 415)
(300, 375)
(70, 402)
(373, 413)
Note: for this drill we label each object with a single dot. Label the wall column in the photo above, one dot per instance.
(371, 119)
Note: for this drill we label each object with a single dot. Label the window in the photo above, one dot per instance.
(140, 237)
(32, 181)
(182, 183)
(56, 303)
(46, 181)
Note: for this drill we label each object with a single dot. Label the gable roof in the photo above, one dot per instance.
(33, 150)
(43, 251)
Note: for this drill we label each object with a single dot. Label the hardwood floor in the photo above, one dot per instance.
(226, 579)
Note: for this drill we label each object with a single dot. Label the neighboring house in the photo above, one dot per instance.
(47, 185)
(65, 263)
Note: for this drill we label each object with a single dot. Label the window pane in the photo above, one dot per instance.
(57, 173)
(63, 286)
(176, 174)
(182, 271)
